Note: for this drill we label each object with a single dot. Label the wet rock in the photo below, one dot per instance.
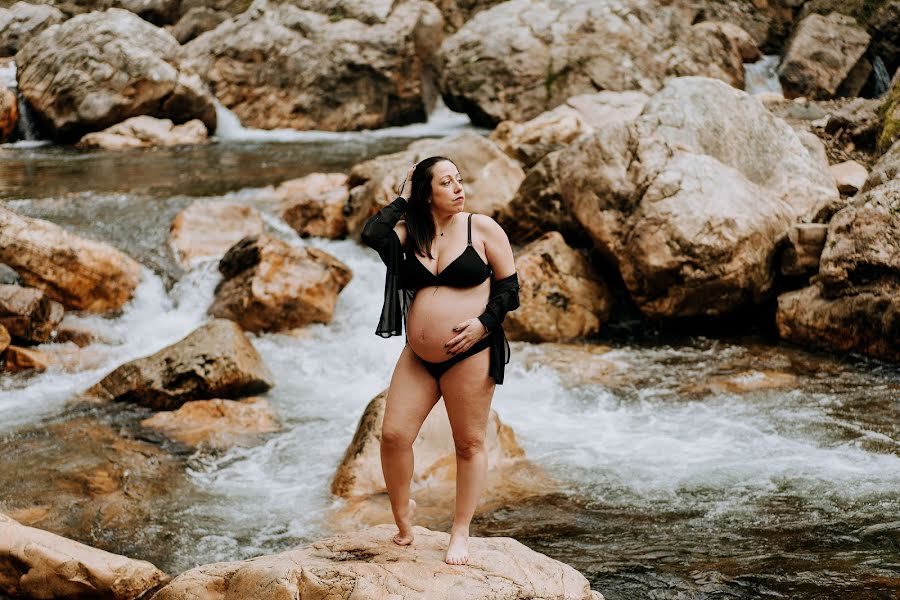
(890, 116)
(518, 59)
(143, 132)
(562, 297)
(314, 205)
(690, 200)
(107, 66)
(5, 338)
(885, 170)
(195, 21)
(849, 176)
(270, 285)
(40, 564)
(368, 564)
(79, 336)
(821, 55)
(360, 482)
(580, 364)
(28, 314)
(742, 383)
(16, 359)
(207, 229)
(217, 424)
(805, 243)
(9, 276)
(23, 21)
(78, 273)
(491, 177)
(9, 114)
(216, 360)
(321, 71)
(70, 358)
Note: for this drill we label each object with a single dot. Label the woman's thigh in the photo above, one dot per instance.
(468, 389)
(411, 396)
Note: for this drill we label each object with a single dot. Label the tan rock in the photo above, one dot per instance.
(821, 54)
(712, 49)
(605, 108)
(217, 424)
(491, 178)
(197, 20)
(144, 131)
(216, 360)
(9, 113)
(804, 247)
(40, 564)
(562, 297)
(79, 273)
(849, 176)
(270, 285)
(314, 205)
(22, 21)
(79, 336)
(97, 84)
(72, 359)
(28, 313)
(17, 359)
(368, 565)
(742, 383)
(207, 229)
(580, 364)
(887, 169)
(5, 338)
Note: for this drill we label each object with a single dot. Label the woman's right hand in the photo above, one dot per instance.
(406, 188)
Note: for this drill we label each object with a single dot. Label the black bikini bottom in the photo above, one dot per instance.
(437, 369)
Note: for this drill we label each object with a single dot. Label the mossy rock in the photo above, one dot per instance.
(890, 115)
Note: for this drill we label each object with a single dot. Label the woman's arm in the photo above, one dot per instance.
(505, 285)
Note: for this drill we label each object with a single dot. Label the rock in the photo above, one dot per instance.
(9, 114)
(742, 383)
(107, 66)
(366, 564)
(17, 359)
(79, 336)
(78, 273)
(359, 473)
(849, 176)
(690, 200)
(491, 178)
(814, 146)
(9, 276)
(40, 564)
(562, 298)
(855, 304)
(713, 49)
(314, 205)
(217, 424)
(769, 22)
(5, 338)
(321, 72)
(197, 20)
(890, 116)
(581, 364)
(804, 247)
(270, 285)
(518, 59)
(821, 54)
(881, 18)
(885, 170)
(216, 360)
(457, 12)
(28, 313)
(70, 358)
(23, 21)
(144, 131)
(207, 229)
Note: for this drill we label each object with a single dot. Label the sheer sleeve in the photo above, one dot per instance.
(504, 298)
(378, 233)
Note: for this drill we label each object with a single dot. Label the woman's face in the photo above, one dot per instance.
(447, 193)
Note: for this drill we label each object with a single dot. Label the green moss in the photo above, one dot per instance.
(336, 16)
(890, 116)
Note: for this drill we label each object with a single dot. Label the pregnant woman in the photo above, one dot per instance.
(440, 262)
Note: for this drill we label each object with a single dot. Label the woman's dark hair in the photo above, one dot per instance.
(419, 223)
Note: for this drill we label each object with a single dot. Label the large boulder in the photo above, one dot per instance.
(490, 177)
(40, 564)
(28, 314)
(367, 565)
(855, 304)
(23, 21)
(821, 55)
(270, 285)
(143, 132)
(207, 229)
(885, 170)
(78, 273)
(712, 49)
(281, 66)
(562, 297)
(216, 424)
(690, 200)
(314, 205)
(523, 57)
(100, 68)
(216, 360)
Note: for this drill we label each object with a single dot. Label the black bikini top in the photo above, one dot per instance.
(466, 270)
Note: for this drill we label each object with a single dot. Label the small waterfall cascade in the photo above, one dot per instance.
(762, 76)
(26, 127)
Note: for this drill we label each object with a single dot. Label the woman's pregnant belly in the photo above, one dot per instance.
(435, 311)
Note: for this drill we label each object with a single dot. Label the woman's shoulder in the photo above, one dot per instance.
(486, 226)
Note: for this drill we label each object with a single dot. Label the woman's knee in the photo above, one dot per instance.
(396, 439)
(469, 447)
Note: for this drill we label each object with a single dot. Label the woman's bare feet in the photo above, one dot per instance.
(404, 535)
(458, 550)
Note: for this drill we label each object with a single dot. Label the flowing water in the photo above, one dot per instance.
(694, 468)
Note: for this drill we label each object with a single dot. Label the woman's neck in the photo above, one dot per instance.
(442, 220)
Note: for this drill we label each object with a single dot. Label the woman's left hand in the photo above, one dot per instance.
(470, 331)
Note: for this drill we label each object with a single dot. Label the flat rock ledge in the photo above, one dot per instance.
(366, 565)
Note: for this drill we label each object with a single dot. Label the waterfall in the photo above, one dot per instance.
(27, 128)
(762, 76)
(882, 78)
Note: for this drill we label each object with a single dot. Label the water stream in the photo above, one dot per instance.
(690, 468)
